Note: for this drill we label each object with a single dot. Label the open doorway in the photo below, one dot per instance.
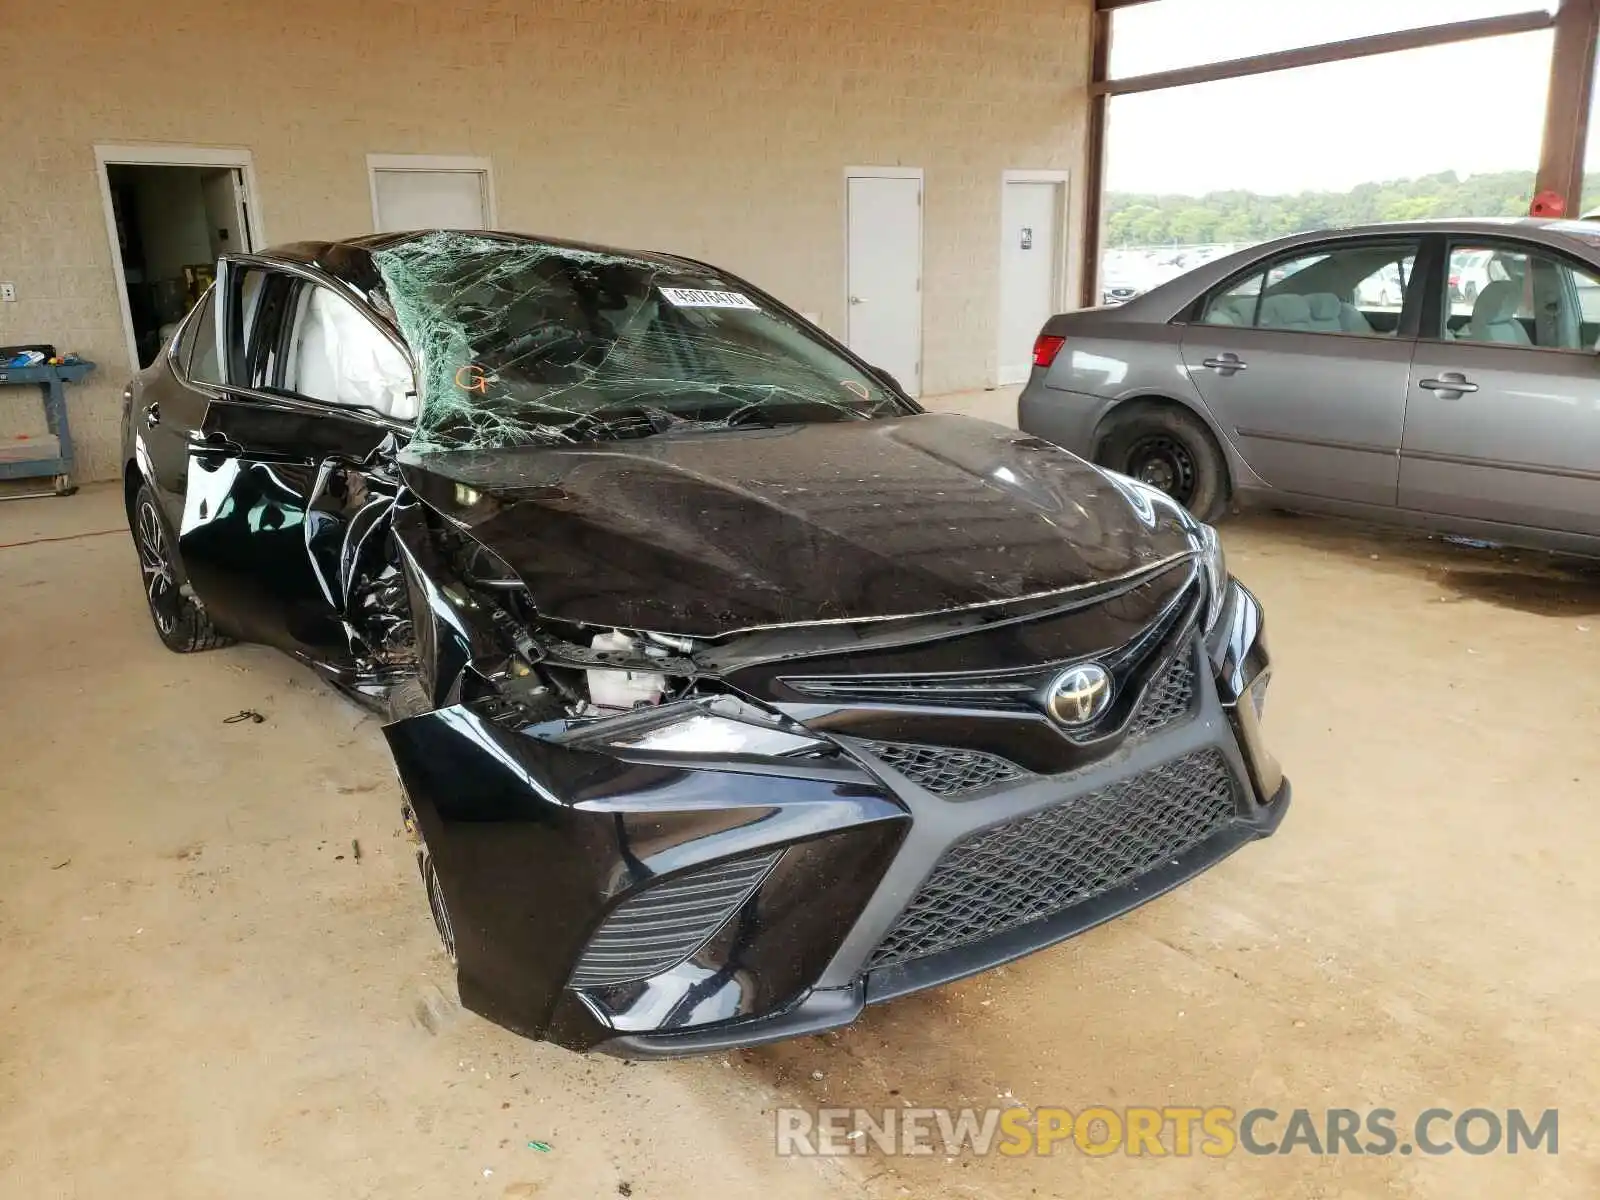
(169, 221)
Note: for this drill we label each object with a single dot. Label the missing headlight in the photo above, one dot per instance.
(708, 725)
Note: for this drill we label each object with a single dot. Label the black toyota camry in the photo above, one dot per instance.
(729, 691)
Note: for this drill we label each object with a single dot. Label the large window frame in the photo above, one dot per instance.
(1572, 68)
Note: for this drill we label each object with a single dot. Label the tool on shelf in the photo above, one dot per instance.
(49, 456)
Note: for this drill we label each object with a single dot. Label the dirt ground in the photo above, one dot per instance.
(205, 991)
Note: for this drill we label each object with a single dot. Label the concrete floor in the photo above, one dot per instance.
(205, 993)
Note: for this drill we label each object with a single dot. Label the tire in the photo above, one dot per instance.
(408, 699)
(437, 908)
(180, 622)
(1171, 450)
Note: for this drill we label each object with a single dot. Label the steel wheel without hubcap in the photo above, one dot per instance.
(160, 584)
(1165, 463)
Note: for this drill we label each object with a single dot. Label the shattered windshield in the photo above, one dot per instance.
(528, 344)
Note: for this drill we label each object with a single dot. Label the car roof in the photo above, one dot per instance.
(349, 260)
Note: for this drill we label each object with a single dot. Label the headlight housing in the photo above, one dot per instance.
(1214, 565)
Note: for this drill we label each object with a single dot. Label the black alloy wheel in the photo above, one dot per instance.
(181, 624)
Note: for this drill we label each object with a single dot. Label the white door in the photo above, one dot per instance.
(1029, 271)
(429, 200)
(884, 274)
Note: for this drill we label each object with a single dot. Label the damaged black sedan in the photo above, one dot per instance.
(729, 690)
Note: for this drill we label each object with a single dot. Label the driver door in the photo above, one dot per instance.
(1503, 421)
(295, 448)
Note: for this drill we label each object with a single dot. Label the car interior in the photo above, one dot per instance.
(1357, 290)
(1495, 295)
(1512, 297)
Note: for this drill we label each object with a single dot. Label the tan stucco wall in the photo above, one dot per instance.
(715, 128)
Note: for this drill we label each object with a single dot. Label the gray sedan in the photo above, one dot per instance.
(1278, 375)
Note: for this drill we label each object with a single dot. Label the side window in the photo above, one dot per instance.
(1519, 296)
(1385, 287)
(1355, 289)
(337, 356)
(1236, 305)
(266, 300)
(250, 285)
(186, 335)
(200, 360)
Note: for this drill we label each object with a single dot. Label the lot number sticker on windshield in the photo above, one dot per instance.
(694, 298)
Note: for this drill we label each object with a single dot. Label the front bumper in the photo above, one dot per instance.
(825, 1008)
(867, 901)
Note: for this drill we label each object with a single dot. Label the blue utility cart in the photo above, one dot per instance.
(50, 456)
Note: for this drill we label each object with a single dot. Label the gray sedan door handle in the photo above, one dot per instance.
(1452, 385)
(1226, 364)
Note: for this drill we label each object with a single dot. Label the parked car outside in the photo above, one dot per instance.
(1124, 275)
(728, 690)
(1477, 418)
(1471, 272)
(1384, 288)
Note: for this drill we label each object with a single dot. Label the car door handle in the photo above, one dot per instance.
(1452, 385)
(1226, 364)
(215, 443)
(858, 299)
(152, 415)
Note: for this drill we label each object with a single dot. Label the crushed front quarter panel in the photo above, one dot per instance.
(535, 843)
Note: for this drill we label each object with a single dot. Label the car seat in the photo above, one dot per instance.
(1329, 314)
(1494, 316)
(1285, 311)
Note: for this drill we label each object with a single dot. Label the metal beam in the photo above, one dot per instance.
(1095, 158)
(1566, 119)
(1327, 52)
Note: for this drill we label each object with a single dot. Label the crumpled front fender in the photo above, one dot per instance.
(535, 843)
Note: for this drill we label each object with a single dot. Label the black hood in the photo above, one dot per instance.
(706, 533)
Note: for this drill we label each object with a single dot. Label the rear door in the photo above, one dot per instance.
(314, 393)
(1306, 369)
(173, 405)
(1503, 419)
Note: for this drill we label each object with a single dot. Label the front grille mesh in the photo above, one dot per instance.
(1037, 866)
(663, 925)
(1171, 696)
(945, 771)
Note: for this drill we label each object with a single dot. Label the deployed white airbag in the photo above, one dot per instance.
(343, 359)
